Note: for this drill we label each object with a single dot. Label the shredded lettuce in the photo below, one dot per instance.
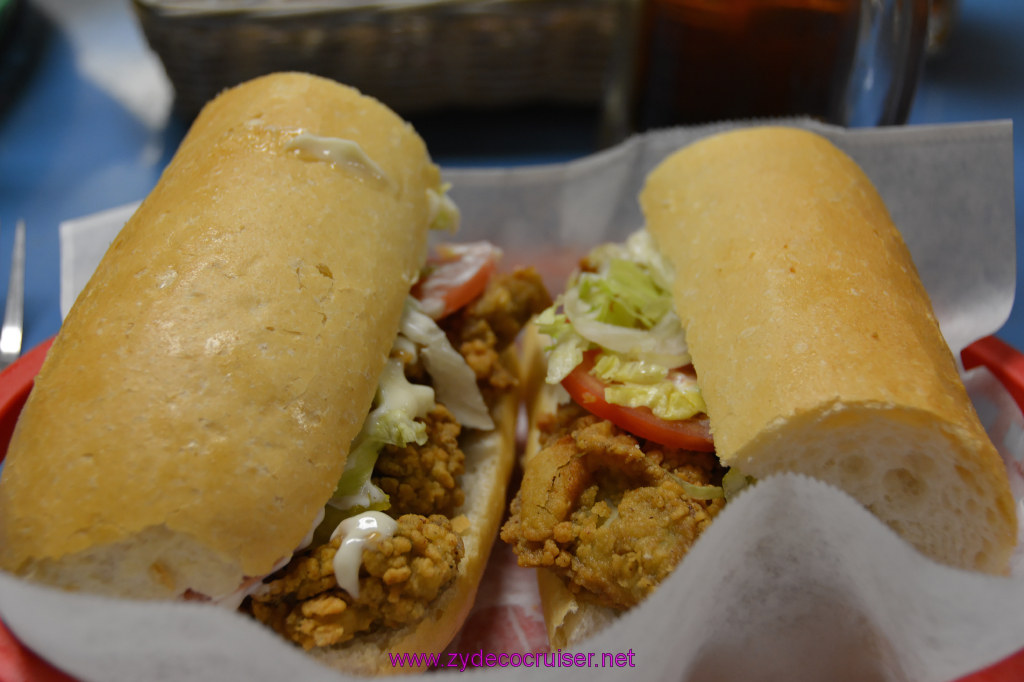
(553, 323)
(701, 492)
(392, 422)
(400, 405)
(636, 383)
(396, 428)
(638, 248)
(564, 357)
(697, 491)
(611, 367)
(734, 482)
(625, 295)
(663, 399)
(444, 214)
(623, 305)
(368, 497)
(663, 343)
(566, 348)
(355, 490)
(358, 467)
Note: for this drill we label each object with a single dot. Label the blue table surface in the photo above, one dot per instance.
(69, 148)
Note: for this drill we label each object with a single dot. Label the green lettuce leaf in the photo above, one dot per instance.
(444, 213)
(638, 383)
(734, 482)
(392, 422)
(567, 347)
(611, 367)
(624, 294)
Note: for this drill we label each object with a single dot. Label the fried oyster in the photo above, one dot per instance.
(606, 511)
(400, 576)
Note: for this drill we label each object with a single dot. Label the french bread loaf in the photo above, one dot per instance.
(815, 347)
(814, 341)
(224, 354)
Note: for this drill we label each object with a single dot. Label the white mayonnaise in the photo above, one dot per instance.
(358, 532)
(335, 151)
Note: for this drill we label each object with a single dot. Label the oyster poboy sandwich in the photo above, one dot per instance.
(768, 319)
(267, 396)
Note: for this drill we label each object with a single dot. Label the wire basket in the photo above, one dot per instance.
(414, 55)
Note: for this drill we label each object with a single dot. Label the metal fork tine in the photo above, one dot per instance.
(11, 332)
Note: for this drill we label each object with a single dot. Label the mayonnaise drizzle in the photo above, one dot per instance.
(358, 532)
(335, 151)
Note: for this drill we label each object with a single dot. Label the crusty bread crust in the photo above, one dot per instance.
(815, 343)
(195, 411)
(490, 458)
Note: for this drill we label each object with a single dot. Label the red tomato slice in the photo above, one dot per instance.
(588, 391)
(458, 274)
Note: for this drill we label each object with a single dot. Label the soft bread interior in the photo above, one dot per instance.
(152, 564)
(569, 620)
(814, 341)
(909, 468)
(490, 458)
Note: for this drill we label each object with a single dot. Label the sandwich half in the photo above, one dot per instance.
(268, 397)
(768, 319)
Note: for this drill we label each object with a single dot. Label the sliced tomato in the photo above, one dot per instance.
(588, 392)
(456, 274)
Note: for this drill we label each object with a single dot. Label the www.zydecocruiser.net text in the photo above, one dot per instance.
(479, 659)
